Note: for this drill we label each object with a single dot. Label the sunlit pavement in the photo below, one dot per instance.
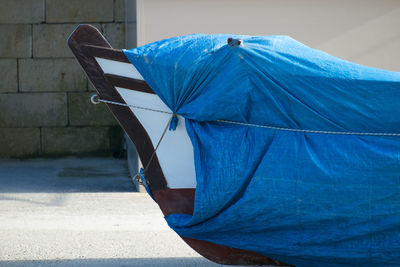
(82, 212)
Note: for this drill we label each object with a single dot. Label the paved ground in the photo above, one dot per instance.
(82, 212)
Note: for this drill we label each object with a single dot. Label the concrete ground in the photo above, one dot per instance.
(82, 212)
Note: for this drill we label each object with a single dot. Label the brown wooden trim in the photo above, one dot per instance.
(129, 83)
(105, 52)
(175, 200)
(85, 35)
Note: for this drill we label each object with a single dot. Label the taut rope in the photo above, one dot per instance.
(94, 101)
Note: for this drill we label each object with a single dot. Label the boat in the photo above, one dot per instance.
(172, 183)
(166, 150)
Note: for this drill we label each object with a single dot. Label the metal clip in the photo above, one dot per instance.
(232, 42)
(95, 99)
(140, 179)
(137, 179)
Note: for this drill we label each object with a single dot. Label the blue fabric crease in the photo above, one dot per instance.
(308, 199)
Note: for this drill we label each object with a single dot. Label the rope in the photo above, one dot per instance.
(257, 125)
(133, 106)
(138, 175)
(306, 131)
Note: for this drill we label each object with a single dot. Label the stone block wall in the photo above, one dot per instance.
(45, 107)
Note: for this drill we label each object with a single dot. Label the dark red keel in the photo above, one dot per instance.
(230, 256)
(182, 201)
(86, 42)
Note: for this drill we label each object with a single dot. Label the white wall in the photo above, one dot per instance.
(362, 31)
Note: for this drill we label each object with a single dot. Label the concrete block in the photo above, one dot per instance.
(115, 34)
(15, 41)
(44, 75)
(131, 35)
(8, 75)
(119, 10)
(79, 11)
(130, 7)
(21, 11)
(19, 142)
(131, 31)
(50, 40)
(75, 140)
(83, 113)
(33, 109)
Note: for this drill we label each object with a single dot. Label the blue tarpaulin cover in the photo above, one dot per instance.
(307, 198)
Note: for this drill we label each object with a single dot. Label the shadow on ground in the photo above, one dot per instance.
(65, 175)
(163, 262)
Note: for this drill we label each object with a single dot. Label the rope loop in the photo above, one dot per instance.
(95, 99)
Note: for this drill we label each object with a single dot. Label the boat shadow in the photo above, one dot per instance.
(65, 175)
(121, 262)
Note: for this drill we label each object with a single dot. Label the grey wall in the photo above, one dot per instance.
(44, 93)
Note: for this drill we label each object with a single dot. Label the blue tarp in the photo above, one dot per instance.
(302, 197)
